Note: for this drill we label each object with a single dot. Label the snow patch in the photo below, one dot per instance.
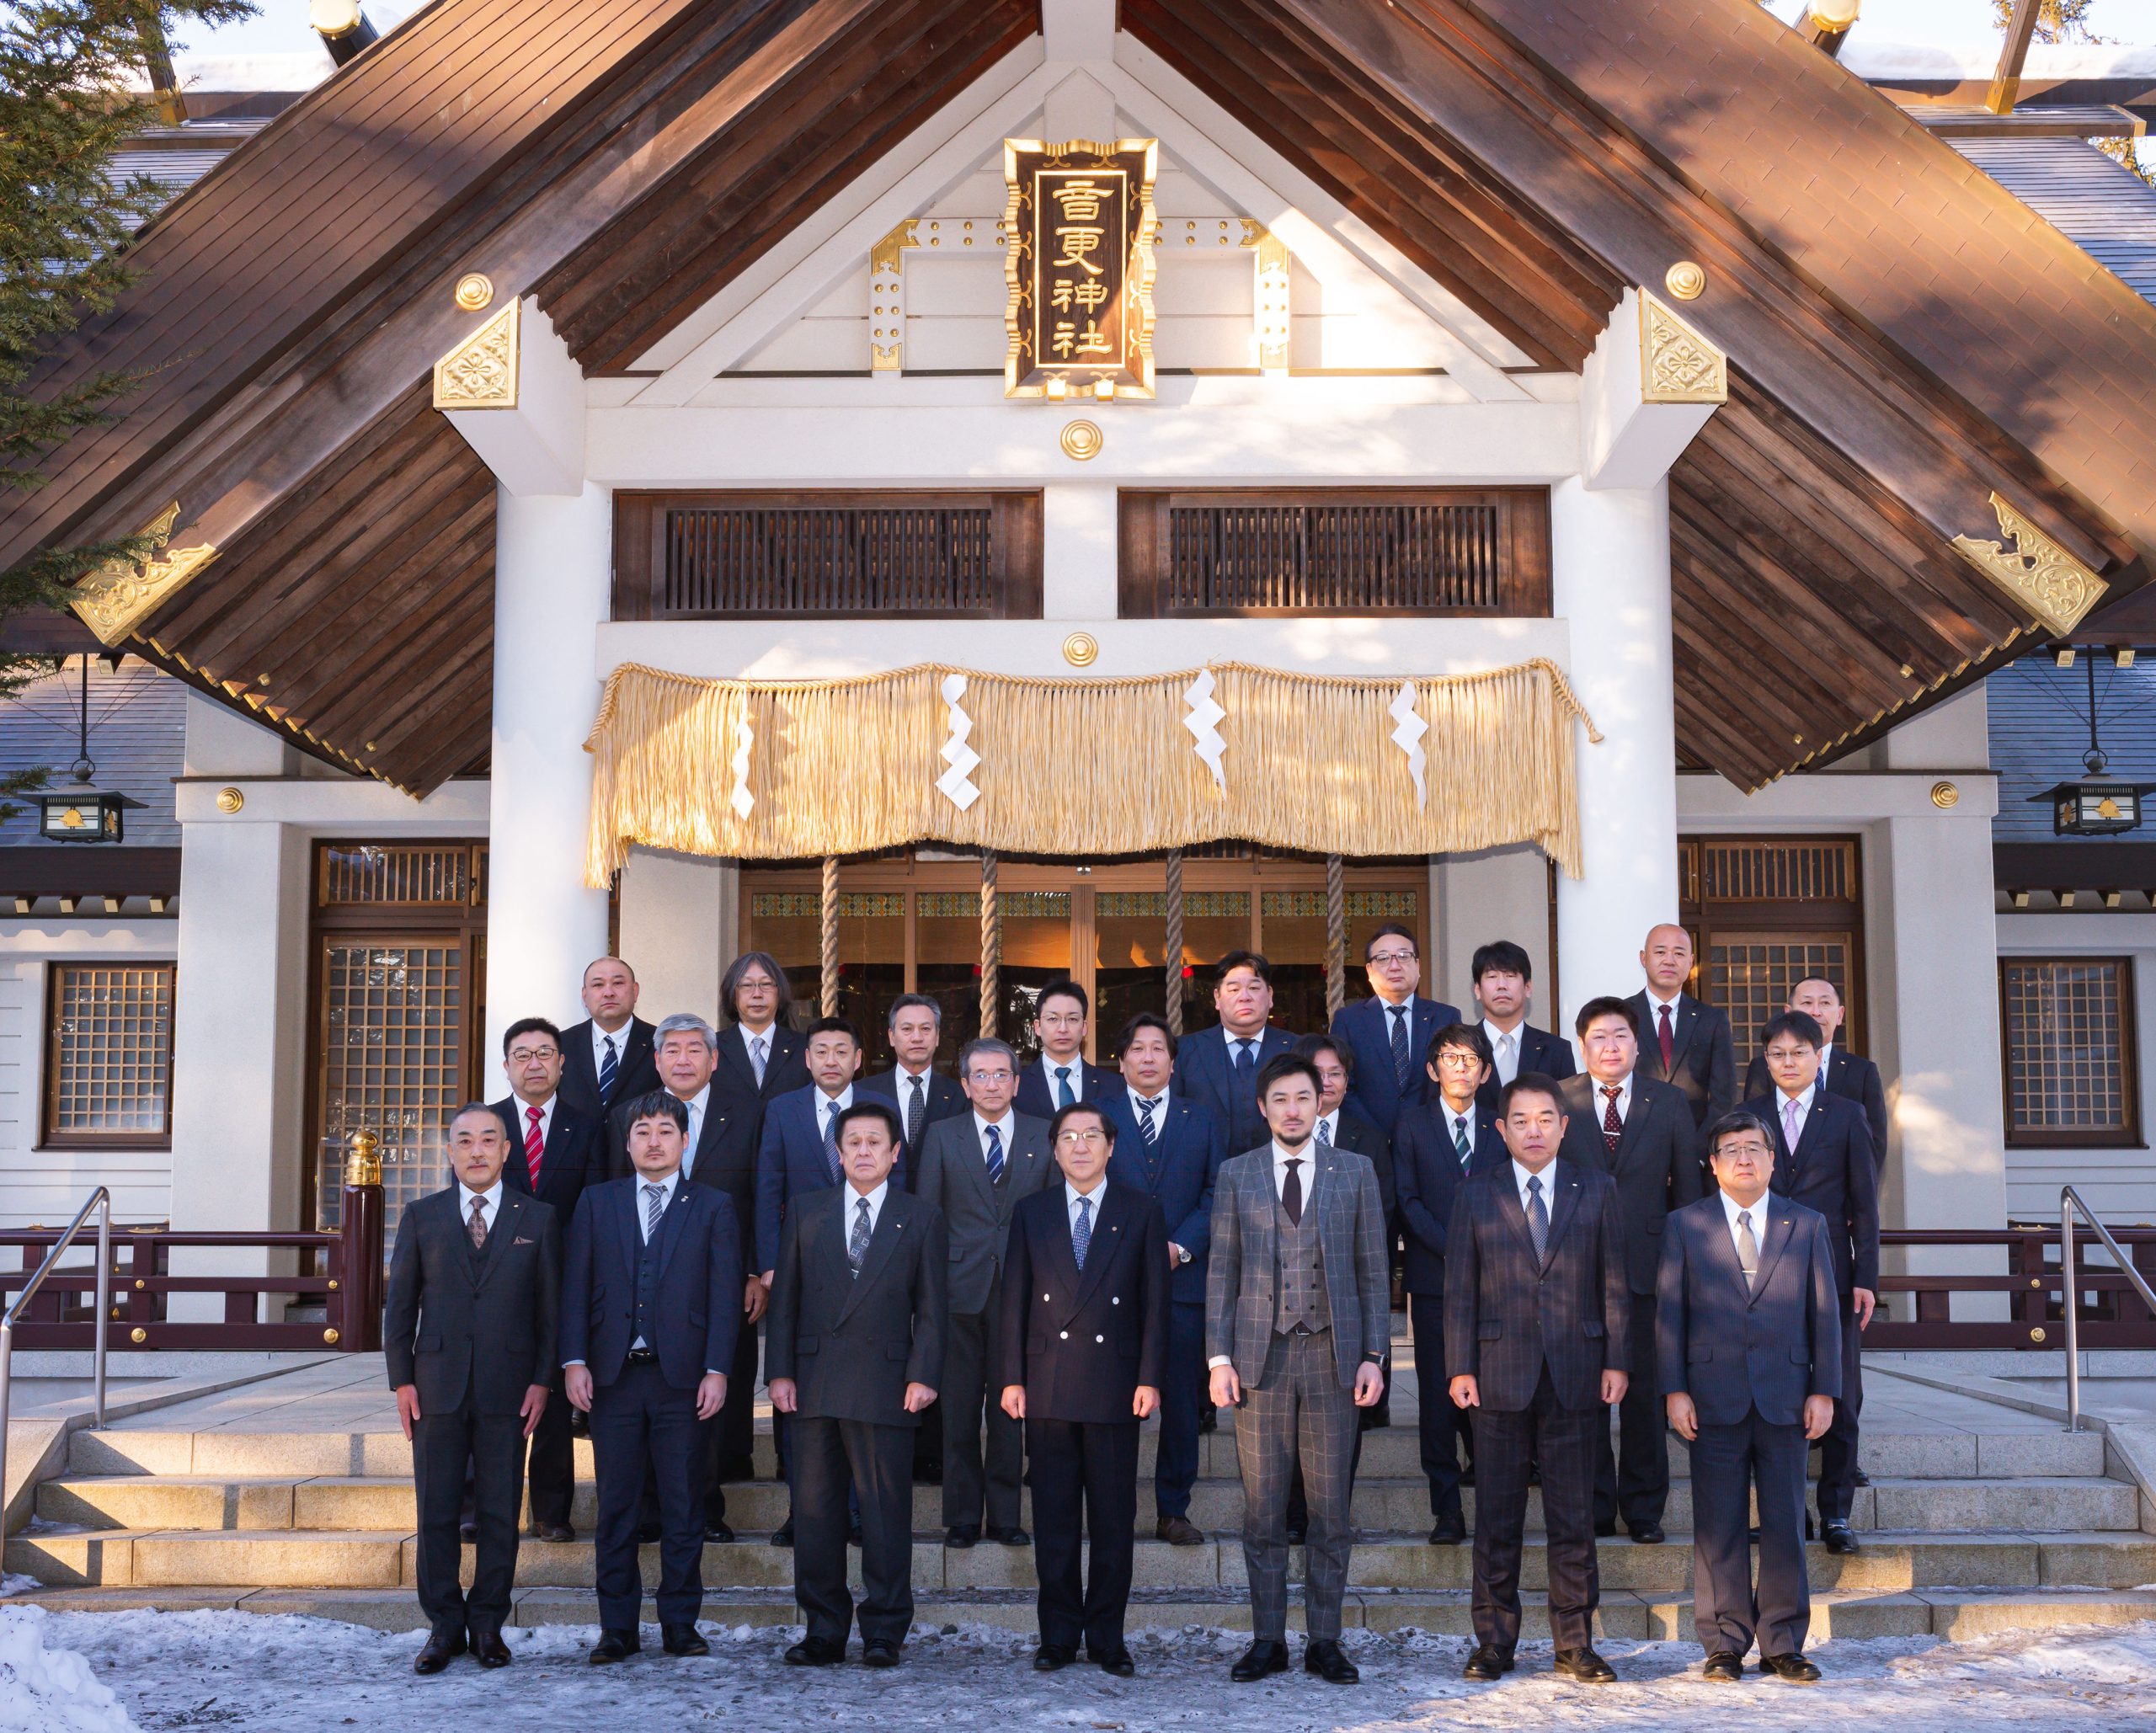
(47, 1690)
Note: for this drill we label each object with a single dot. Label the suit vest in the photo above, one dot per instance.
(648, 1291)
(1299, 1301)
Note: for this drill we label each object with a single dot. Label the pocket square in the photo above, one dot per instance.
(522, 1241)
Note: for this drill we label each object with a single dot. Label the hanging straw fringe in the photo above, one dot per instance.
(841, 767)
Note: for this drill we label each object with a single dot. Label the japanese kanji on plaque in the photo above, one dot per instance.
(1081, 225)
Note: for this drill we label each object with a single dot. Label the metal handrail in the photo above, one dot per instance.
(101, 1201)
(2069, 1201)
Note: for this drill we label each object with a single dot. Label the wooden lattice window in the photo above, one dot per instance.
(109, 1055)
(392, 1061)
(1751, 975)
(1421, 551)
(1799, 871)
(2069, 1040)
(841, 554)
(403, 875)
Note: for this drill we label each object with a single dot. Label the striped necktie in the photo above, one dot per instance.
(535, 1144)
(1461, 1143)
(1146, 1109)
(831, 1140)
(994, 1155)
(1401, 1065)
(610, 1069)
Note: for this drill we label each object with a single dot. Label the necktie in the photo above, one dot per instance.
(1667, 1041)
(1792, 1122)
(1324, 1133)
(654, 1205)
(693, 1137)
(916, 1110)
(1245, 1063)
(831, 1139)
(478, 1224)
(1538, 1219)
(1507, 1056)
(1291, 1194)
(1459, 1141)
(610, 1068)
(535, 1144)
(1613, 1128)
(759, 1052)
(994, 1155)
(856, 1247)
(1064, 1097)
(1399, 1060)
(1146, 1128)
(1081, 1235)
(1748, 1249)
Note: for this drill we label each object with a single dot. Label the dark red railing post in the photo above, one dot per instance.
(355, 1311)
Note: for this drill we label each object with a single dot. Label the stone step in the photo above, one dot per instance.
(1960, 1614)
(1389, 1453)
(242, 1558)
(345, 1503)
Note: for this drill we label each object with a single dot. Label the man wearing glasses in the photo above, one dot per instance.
(1389, 1032)
(974, 1168)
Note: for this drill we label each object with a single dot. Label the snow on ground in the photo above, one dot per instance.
(45, 1688)
(243, 1671)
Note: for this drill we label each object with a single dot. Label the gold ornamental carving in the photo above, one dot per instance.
(2040, 574)
(1676, 364)
(1081, 649)
(230, 800)
(118, 596)
(363, 1159)
(1945, 795)
(1685, 279)
(887, 297)
(475, 291)
(1082, 229)
(1082, 441)
(480, 373)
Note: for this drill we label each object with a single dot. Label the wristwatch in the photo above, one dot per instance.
(1373, 1359)
(1182, 1254)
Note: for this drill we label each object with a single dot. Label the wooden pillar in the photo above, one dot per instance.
(1173, 948)
(1336, 936)
(830, 935)
(991, 945)
(354, 1310)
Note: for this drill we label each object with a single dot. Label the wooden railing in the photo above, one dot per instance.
(341, 1271)
(1920, 1307)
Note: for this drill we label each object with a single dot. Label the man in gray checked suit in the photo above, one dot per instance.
(1296, 1328)
(974, 1168)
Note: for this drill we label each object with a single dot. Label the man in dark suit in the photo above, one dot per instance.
(1841, 1072)
(650, 1312)
(555, 1152)
(1217, 1068)
(760, 1056)
(1170, 1149)
(1083, 1363)
(1683, 1040)
(1296, 1327)
(1062, 1074)
(608, 1057)
(1748, 1331)
(857, 1348)
(1389, 1032)
(1443, 1140)
(1641, 1133)
(923, 1094)
(1536, 1316)
(974, 1171)
(1824, 1159)
(1504, 988)
(468, 1336)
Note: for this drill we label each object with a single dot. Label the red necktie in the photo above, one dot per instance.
(535, 1144)
(1668, 1046)
(1613, 1128)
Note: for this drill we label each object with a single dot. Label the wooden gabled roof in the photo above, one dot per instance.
(1905, 337)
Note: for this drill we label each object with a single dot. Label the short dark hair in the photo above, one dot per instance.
(529, 1025)
(1250, 960)
(729, 986)
(913, 1001)
(1530, 1083)
(1392, 930)
(1064, 989)
(1504, 955)
(1146, 1019)
(1801, 1024)
(831, 1026)
(883, 1113)
(1311, 1046)
(484, 1108)
(655, 1104)
(1832, 985)
(1460, 1034)
(1070, 1110)
(1288, 1064)
(1730, 1125)
(1609, 1006)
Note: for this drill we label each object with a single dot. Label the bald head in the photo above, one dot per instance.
(610, 993)
(1666, 958)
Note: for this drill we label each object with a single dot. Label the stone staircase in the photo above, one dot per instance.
(1964, 1531)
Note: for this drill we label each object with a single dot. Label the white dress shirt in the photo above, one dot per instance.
(1803, 1100)
(1331, 1121)
(1389, 1014)
(853, 1208)
(696, 1103)
(1731, 1208)
(1075, 1065)
(600, 1037)
(524, 1119)
(1097, 1196)
(1308, 1156)
(1160, 1106)
(1458, 1123)
(825, 1104)
(1600, 1103)
(1507, 1063)
(493, 1195)
(1521, 1176)
(1826, 1054)
(1003, 1128)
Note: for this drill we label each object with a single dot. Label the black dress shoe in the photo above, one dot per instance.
(558, 1533)
(1052, 1658)
(1837, 1538)
(441, 1648)
(879, 1655)
(489, 1649)
(1487, 1664)
(1209, 1420)
(1585, 1665)
(783, 1534)
(1648, 1534)
(1179, 1531)
(962, 1537)
(614, 1645)
(1858, 1477)
(1117, 1661)
(1267, 1655)
(648, 1534)
(853, 1535)
(1296, 1537)
(1447, 1531)
(1724, 1666)
(816, 1651)
(1605, 1531)
(718, 1533)
(1013, 1536)
(468, 1533)
(1793, 1668)
(682, 1639)
(1324, 1658)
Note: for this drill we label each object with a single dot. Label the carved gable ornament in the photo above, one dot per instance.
(2040, 574)
(120, 595)
(1676, 364)
(1079, 264)
(480, 373)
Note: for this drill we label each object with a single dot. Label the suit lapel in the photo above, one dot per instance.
(1628, 1140)
(632, 1236)
(1722, 1253)
(1681, 1026)
(1508, 1207)
(1781, 1225)
(890, 1222)
(670, 1226)
(1565, 1198)
(1807, 1134)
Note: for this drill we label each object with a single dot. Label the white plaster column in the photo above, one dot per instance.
(1611, 577)
(677, 929)
(1078, 552)
(552, 572)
